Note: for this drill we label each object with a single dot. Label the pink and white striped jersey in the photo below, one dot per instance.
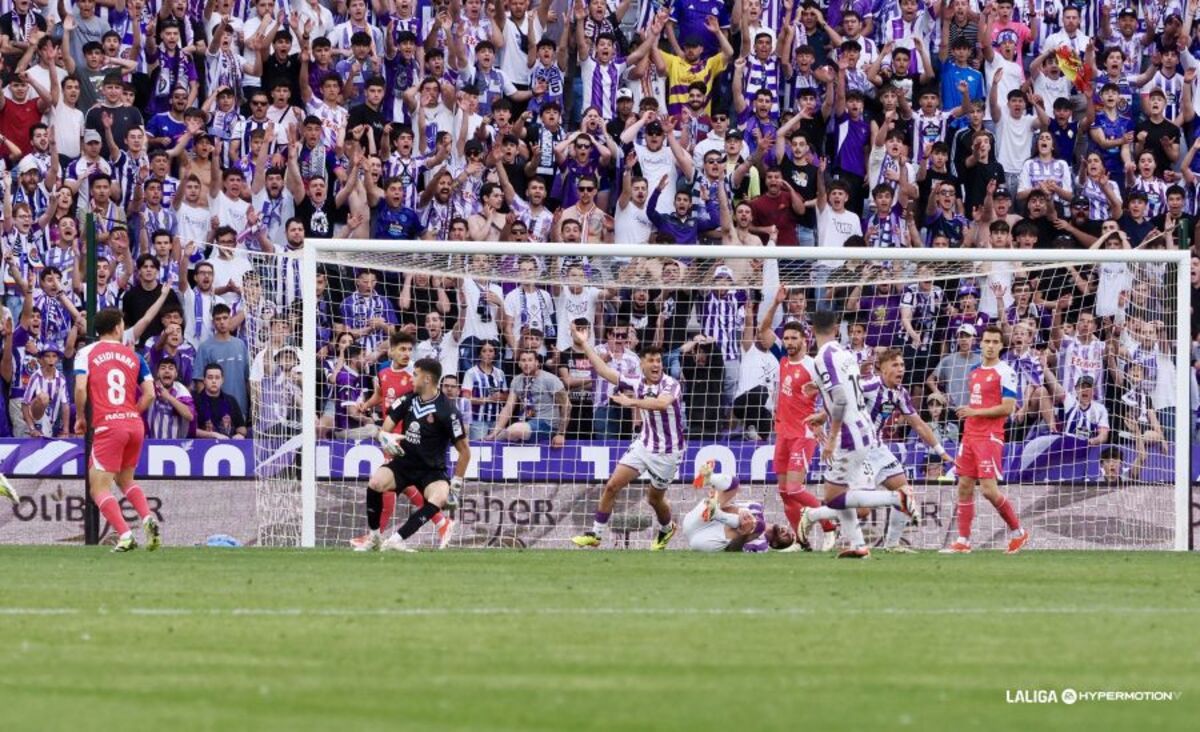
(1076, 359)
(662, 432)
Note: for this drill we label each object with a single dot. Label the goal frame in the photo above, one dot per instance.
(313, 250)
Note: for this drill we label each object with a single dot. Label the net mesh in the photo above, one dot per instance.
(1085, 466)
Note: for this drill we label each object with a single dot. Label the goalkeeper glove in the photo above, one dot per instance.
(456, 486)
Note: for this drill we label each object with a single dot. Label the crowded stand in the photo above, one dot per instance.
(192, 143)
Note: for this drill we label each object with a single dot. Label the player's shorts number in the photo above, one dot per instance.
(116, 388)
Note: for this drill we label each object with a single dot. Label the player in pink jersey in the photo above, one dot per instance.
(108, 376)
(993, 397)
(795, 441)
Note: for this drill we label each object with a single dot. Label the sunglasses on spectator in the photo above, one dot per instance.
(586, 189)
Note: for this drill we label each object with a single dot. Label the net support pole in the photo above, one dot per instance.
(91, 514)
(308, 456)
(1183, 403)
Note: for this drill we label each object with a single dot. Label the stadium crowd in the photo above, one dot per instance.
(193, 133)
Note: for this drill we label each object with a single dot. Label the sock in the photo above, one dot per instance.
(825, 514)
(374, 507)
(732, 520)
(387, 509)
(417, 519)
(111, 510)
(809, 500)
(1006, 511)
(851, 530)
(897, 521)
(724, 482)
(439, 520)
(136, 497)
(414, 497)
(600, 523)
(871, 499)
(837, 502)
(664, 526)
(966, 516)
(792, 508)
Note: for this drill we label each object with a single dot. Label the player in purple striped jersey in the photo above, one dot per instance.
(851, 444)
(657, 451)
(718, 524)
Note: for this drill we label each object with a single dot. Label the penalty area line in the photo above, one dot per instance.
(599, 611)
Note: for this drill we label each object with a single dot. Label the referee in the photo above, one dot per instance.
(429, 423)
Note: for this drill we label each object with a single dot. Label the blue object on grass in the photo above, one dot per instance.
(222, 540)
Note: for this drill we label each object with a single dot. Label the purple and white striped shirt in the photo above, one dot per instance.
(883, 402)
(762, 75)
(601, 82)
(723, 320)
(164, 423)
(662, 432)
(626, 365)
(55, 387)
(1028, 369)
(1156, 194)
(1076, 359)
(837, 367)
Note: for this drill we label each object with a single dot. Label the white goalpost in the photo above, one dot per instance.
(310, 485)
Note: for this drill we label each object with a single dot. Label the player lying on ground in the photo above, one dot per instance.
(718, 524)
(795, 441)
(885, 396)
(108, 375)
(993, 397)
(427, 423)
(656, 451)
(851, 444)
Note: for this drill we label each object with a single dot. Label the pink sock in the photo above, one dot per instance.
(389, 508)
(137, 498)
(966, 516)
(1005, 509)
(111, 510)
(414, 497)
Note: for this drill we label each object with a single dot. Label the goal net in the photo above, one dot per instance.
(1096, 456)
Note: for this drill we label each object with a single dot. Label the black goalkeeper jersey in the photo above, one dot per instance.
(429, 428)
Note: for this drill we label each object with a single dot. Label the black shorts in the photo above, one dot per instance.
(917, 365)
(421, 477)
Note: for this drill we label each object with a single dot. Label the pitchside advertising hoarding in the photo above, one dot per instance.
(536, 496)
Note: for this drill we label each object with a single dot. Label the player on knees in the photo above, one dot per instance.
(992, 387)
(108, 376)
(795, 441)
(656, 451)
(851, 443)
(425, 424)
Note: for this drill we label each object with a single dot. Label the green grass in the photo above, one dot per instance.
(631, 640)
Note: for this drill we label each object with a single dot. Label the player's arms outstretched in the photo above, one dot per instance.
(579, 335)
(926, 434)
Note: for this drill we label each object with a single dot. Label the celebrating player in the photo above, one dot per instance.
(429, 423)
(657, 451)
(108, 375)
(795, 442)
(391, 383)
(851, 443)
(717, 524)
(993, 396)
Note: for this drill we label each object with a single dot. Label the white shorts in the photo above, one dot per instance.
(864, 468)
(662, 468)
(704, 536)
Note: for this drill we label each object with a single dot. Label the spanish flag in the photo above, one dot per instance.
(1074, 68)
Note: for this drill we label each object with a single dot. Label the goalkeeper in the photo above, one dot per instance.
(426, 423)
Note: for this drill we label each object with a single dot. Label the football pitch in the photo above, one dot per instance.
(228, 639)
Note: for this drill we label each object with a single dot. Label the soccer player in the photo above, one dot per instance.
(108, 377)
(795, 441)
(993, 396)
(430, 423)
(851, 444)
(718, 524)
(657, 450)
(391, 383)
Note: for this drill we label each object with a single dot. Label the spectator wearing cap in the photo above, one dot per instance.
(172, 414)
(704, 51)
(1158, 135)
(1080, 226)
(1084, 416)
(950, 376)
(113, 107)
(610, 420)
(966, 311)
(46, 405)
(78, 175)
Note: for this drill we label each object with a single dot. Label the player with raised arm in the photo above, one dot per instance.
(851, 444)
(657, 450)
(426, 423)
(718, 524)
(108, 375)
(993, 397)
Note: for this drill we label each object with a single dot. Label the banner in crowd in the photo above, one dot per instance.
(1050, 458)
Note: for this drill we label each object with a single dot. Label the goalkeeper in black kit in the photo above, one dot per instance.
(416, 437)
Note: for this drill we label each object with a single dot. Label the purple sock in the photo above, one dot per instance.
(734, 484)
(838, 502)
(602, 517)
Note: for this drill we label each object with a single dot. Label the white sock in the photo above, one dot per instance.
(871, 499)
(598, 528)
(897, 521)
(126, 535)
(732, 520)
(663, 528)
(1017, 533)
(375, 534)
(851, 530)
(824, 513)
(721, 482)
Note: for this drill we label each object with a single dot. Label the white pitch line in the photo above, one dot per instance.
(600, 611)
